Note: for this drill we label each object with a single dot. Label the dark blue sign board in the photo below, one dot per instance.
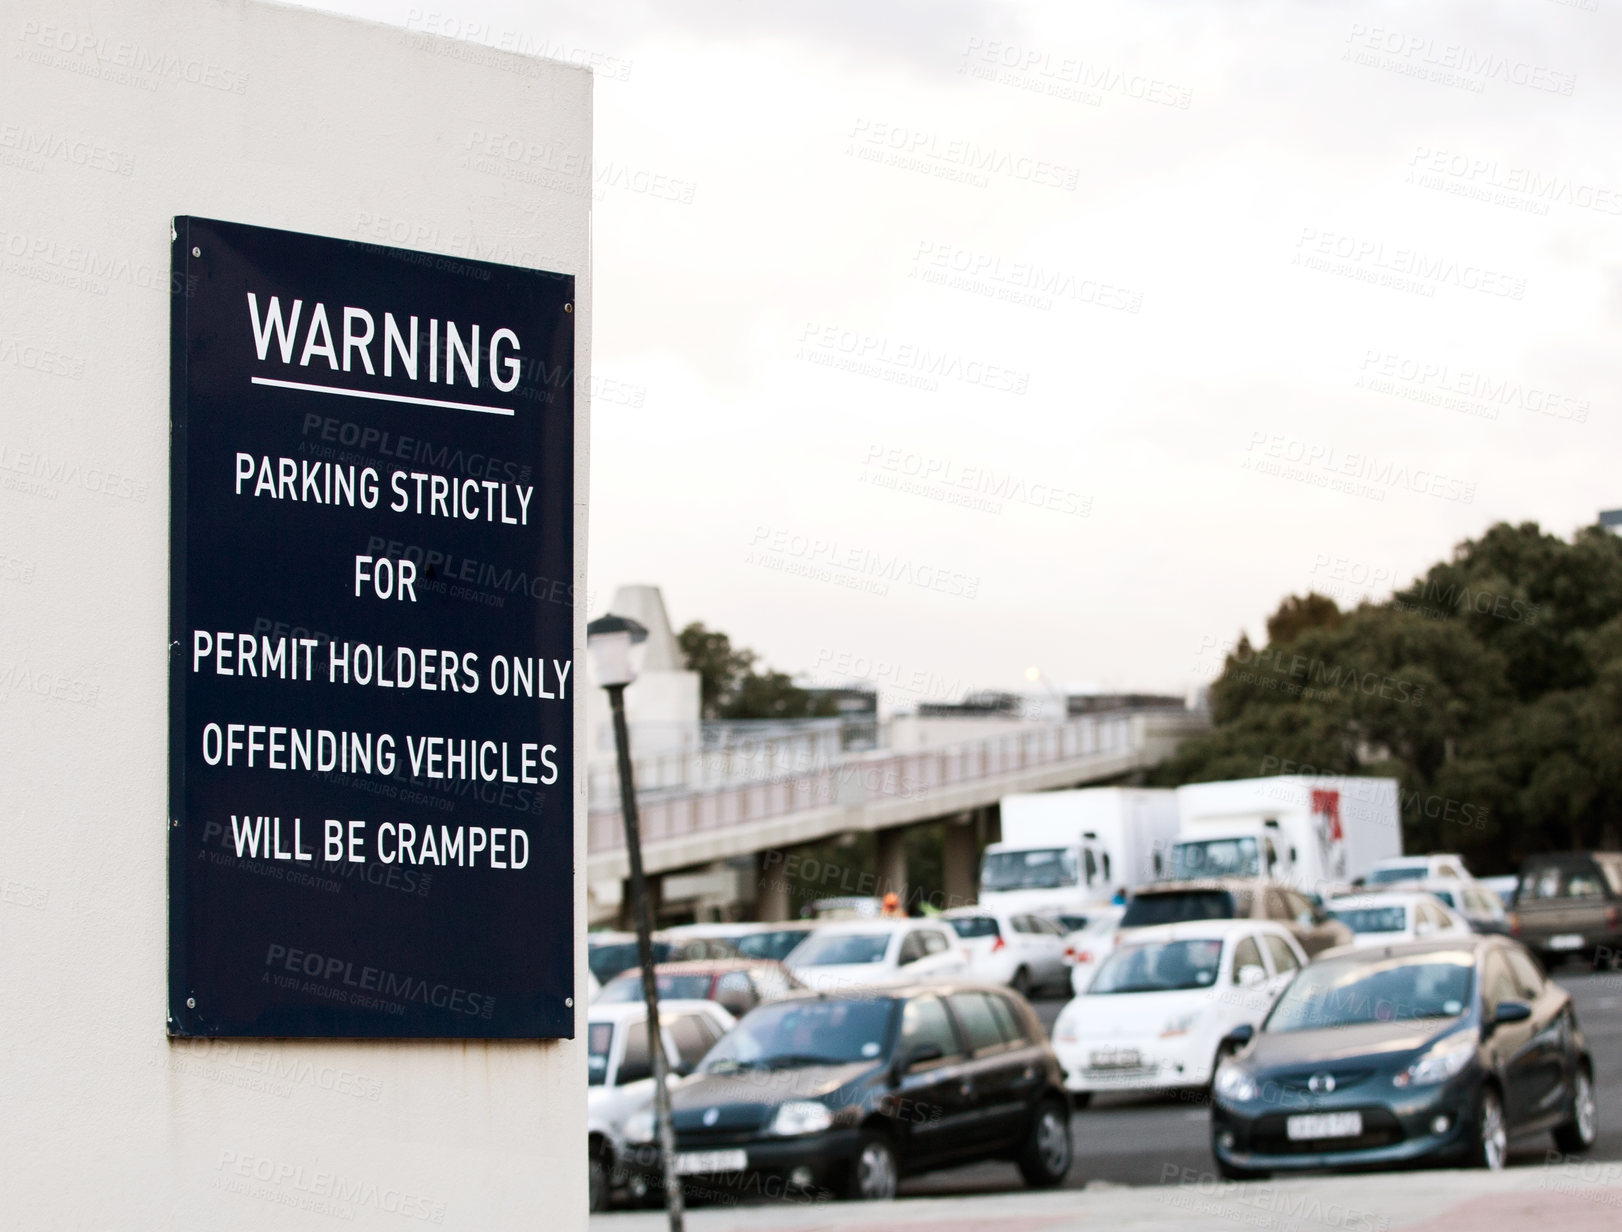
(371, 645)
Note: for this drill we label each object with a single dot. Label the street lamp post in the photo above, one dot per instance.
(613, 642)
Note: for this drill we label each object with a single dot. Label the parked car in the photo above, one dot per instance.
(847, 1094)
(1380, 919)
(1088, 945)
(844, 907)
(1437, 1051)
(1437, 866)
(1480, 906)
(1236, 898)
(1161, 1006)
(772, 941)
(619, 1072)
(1015, 948)
(609, 953)
(855, 953)
(1569, 904)
(1504, 887)
(737, 984)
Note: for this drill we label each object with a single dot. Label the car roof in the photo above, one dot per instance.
(703, 966)
(1205, 884)
(1378, 898)
(1195, 930)
(1473, 942)
(877, 924)
(620, 1011)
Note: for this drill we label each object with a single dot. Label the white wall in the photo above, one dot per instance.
(113, 118)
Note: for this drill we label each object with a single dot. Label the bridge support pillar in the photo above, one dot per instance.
(771, 894)
(961, 854)
(892, 863)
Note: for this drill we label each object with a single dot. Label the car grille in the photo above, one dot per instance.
(1299, 1082)
(1380, 1128)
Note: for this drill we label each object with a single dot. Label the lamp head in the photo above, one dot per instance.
(615, 645)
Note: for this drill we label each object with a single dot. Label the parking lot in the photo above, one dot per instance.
(1124, 1140)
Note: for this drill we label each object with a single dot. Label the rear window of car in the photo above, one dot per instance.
(1177, 907)
(1372, 919)
(971, 926)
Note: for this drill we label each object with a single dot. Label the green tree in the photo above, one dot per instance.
(1491, 688)
(730, 688)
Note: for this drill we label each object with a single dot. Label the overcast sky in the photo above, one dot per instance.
(939, 341)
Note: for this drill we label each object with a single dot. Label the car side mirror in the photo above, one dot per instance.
(920, 1055)
(1511, 1011)
(1252, 977)
(1238, 1037)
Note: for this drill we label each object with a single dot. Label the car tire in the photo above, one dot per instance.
(872, 1174)
(597, 1183)
(1577, 1135)
(1489, 1144)
(1021, 983)
(1045, 1161)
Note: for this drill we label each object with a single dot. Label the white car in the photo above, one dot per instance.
(1481, 908)
(753, 940)
(1155, 1016)
(1397, 869)
(853, 953)
(619, 1070)
(1089, 945)
(1381, 919)
(1023, 951)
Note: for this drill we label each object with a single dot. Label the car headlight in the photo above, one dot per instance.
(639, 1126)
(1179, 1025)
(801, 1116)
(1440, 1062)
(1235, 1085)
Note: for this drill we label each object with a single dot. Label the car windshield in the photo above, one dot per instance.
(839, 949)
(599, 1039)
(1372, 919)
(627, 986)
(810, 1032)
(970, 926)
(1343, 992)
(1217, 857)
(1395, 873)
(1045, 868)
(1159, 966)
(1178, 907)
(609, 959)
(774, 944)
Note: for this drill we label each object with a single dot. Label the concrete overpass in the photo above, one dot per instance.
(885, 791)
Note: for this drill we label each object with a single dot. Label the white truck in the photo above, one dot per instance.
(1316, 832)
(1066, 851)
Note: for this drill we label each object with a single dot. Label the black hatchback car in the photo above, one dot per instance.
(848, 1093)
(1433, 1051)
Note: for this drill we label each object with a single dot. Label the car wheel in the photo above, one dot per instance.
(872, 1175)
(1021, 983)
(597, 1185)
(1045, 1161)
(1491, 1144)
(1578, 1134)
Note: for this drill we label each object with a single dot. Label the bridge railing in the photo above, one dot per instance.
(862, 779)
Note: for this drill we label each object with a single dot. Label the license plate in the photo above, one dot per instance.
(690, 1162)
(1116, 1058)
(1566, 941)
(1324, 1125)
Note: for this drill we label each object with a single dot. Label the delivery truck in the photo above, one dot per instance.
(1065, 851)
(1314, 831)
